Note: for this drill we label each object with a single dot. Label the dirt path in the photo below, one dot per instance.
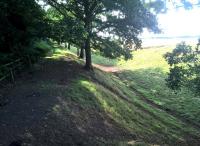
(111, 69)
(35, 116)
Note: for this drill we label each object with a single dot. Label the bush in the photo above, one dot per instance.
(184, 64)
(37, 50)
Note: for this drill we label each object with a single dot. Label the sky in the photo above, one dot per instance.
(178, 22)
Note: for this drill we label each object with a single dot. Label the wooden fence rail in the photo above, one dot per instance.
(9, 70)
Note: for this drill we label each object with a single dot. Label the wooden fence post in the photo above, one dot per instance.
(9, 69)
(12, 75)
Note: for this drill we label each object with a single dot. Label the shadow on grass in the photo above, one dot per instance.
(147, 116)
(150, 85)
(51, 106)
(58, 103)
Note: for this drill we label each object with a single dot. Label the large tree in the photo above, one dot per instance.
(114, 22)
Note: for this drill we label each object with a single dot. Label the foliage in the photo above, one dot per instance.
(106, 22)
(184, 64)
(36, 50)
(64, 29)
(157, 6)
(112, 48)
(98, 58)
(22, 22)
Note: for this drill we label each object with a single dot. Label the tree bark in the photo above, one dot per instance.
(69, 46)
(88, 28)
(88, 61)
(77, 52)
(82, 51)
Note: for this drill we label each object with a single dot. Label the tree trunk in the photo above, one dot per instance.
(88, 61)
(88, 28)
(82, 51)
(77, 52)
(69, 46)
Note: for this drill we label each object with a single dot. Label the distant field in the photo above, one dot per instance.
(158, 41)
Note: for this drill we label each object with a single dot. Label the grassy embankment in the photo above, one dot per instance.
(146, 73)
(120, 96)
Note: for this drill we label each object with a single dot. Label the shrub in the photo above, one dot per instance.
(184, 64)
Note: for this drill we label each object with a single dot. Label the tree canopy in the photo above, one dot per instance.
(108, 24)
(22, 22)
(112, 27)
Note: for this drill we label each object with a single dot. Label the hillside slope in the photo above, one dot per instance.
(59, 103)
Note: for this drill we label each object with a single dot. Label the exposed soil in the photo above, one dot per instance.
(111, 69)
(34, 118)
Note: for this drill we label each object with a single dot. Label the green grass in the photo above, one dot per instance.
(113, 96)
(149, 124)
(147, 72)
(147, 58)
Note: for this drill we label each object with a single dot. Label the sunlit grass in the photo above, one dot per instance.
(107, 94)
(147, 58)
(147, 72)
(131, 116)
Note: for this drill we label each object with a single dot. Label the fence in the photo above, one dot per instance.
(10, 69)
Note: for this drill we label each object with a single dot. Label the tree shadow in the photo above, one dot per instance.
(59, 103)
(127, 87)
(42, 110)
(150, 86)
